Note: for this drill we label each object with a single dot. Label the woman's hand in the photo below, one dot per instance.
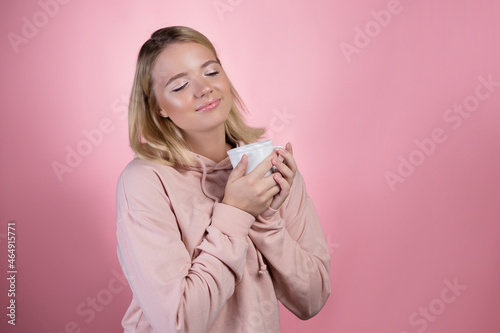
(253, 193)
(285, 174)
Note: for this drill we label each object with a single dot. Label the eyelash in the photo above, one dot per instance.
(180, 88)
(185, 84)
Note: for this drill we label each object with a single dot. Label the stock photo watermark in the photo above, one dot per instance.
(32, 25)
(223, 6)
(94, 137)
(256, 318)
(453, 118)
(91, 139)
(363, 36)
(426, 315)
(89, 309)
(279, 122)
(11, 272)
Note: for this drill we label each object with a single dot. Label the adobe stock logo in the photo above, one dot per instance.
(91, 139)
(426, 315)
(454, 118)
(223, 6)
(363, 37)
(39, 19)
(279, 122)
(95, 304)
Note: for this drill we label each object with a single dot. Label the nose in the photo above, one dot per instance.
(202, 88)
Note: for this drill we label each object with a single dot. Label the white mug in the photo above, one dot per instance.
(256, 153)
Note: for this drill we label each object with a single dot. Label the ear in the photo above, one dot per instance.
(163, 113)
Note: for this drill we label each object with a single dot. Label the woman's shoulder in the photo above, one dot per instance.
(140, 171)
(141, 185)
(138, 164)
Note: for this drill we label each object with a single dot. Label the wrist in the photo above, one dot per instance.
(231, 220)
(269, 220)
(268, 214)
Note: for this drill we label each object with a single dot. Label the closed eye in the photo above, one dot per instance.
(213, 73)
(181, 87)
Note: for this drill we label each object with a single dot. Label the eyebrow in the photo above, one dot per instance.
(175, 77)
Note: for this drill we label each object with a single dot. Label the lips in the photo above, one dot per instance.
(208, 105)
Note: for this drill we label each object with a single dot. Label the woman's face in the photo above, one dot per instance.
(191, 88)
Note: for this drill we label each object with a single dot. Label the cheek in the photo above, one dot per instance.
(225, 89)
(174, 103)
(222, 83)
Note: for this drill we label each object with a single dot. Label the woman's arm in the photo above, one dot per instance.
(175, 292)
(293, 243)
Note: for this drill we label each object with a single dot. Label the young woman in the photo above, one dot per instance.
(206, 248)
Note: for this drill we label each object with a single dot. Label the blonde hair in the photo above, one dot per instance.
(155, 138)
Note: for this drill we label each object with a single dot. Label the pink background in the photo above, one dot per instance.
(360, 99)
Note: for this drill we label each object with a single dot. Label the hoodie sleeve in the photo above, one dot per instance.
(294, 246)
(176, 293)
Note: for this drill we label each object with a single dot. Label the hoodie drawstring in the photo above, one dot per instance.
(260, 258)
(262, 265)
(203, 179)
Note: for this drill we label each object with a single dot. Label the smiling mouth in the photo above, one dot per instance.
(209, 105)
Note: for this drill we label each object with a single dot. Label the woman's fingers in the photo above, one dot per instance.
(264, 166)
(288, 158)
(287, 167)
(255, 192)
(282, 168)
(280, 197)
(239, 170)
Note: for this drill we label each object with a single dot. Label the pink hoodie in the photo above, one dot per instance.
(197, 265)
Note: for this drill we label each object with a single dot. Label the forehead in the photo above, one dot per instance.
(180, 57)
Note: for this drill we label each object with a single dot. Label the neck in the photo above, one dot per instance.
(211, 145)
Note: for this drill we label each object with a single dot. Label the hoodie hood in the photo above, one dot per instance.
(212, 173)
(207, 165)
